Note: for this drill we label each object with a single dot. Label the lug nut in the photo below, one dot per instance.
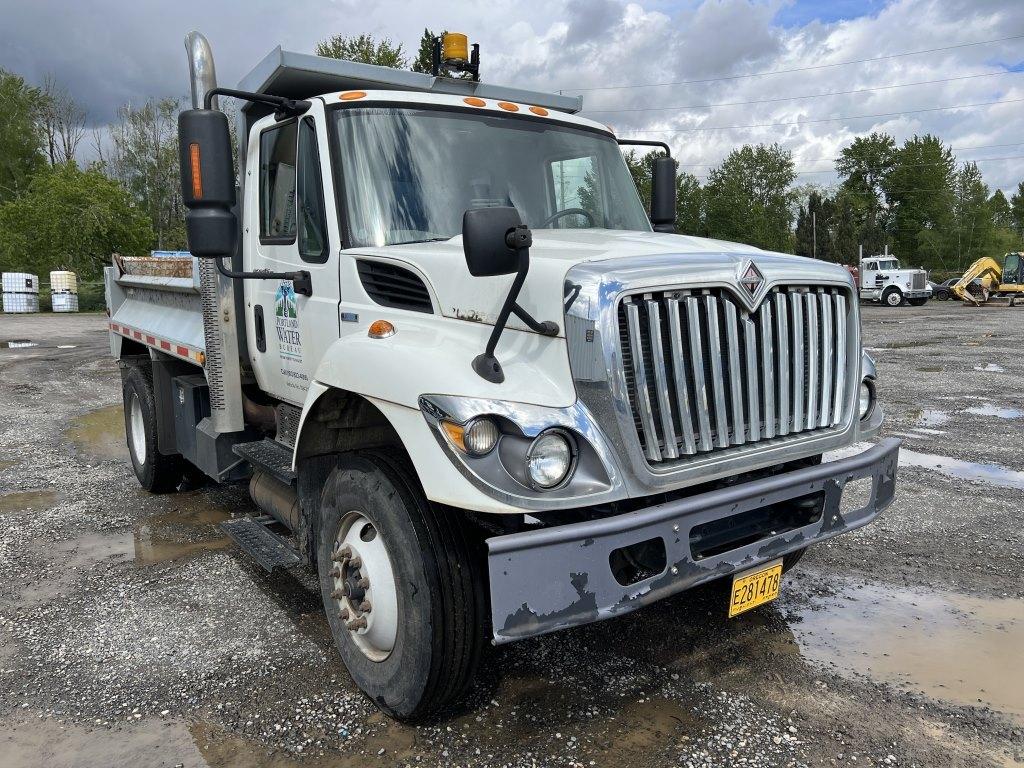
(344, 614)
(359, 623)
(365, 606)
(355, 562)
(338, 594)
(335, 572)
(363, 583)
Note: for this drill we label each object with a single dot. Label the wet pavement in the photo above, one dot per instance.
(131, 633)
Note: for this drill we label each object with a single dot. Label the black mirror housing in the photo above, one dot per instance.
(207, 182)
(485, 243)
(663, 194)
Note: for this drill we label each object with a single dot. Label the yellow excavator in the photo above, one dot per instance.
(989, 283)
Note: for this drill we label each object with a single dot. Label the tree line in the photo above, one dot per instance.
(914, 199)
(56, 213)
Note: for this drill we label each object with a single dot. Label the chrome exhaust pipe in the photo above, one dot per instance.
(220, 332)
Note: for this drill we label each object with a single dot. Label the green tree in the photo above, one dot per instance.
(21, 134)
(1000, 208)
(864, 167)
(972, 215)
(145, 160)
(71, 219)
(811, 237)
(1017, 210)
(844, 235)
(689, 204)
(748, 197)
(919, 192)
(364, 49)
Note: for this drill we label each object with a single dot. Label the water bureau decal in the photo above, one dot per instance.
(289, 337)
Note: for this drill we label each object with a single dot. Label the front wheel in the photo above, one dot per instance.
(892, 297)
(401, 587)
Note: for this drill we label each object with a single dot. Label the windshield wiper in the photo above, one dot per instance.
(424, 240)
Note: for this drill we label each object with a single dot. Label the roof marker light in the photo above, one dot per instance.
(473, 101)
(508, 106)
(539, 111)
(352, 95)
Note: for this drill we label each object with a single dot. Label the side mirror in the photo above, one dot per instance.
(663, 194)
(485, 241)
(207, 182)
(496, 242)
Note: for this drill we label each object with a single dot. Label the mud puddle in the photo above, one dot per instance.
(24, 501)
(932, 417)
(190, 527)
(45, 743)
(993, 474)
(988, 409)
(962, 649)
(99, 434)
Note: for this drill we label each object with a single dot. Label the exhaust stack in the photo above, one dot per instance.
(220, 327)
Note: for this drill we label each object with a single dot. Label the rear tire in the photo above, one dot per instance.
(156, 472)
(424, 657)
(892, 297)
(790, 560)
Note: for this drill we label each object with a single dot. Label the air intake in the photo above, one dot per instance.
(394, 286)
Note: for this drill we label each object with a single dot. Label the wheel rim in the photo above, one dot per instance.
(138, 430)
(894, 299)
(363, 586)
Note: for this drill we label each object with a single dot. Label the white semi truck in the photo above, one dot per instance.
(469, 378)
(882, 279)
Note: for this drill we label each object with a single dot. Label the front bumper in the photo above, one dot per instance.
(920, 294)
(558, 577)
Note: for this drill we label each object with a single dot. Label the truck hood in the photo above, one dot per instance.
(555, 252)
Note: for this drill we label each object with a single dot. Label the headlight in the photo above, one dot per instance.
(481, 436)
(867, 398)
(549, 459)
(477, 438)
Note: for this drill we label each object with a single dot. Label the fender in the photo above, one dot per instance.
(431, 354)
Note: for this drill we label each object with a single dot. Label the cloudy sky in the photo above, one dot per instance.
(688, 72)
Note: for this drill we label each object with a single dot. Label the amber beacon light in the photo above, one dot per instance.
(453, 53)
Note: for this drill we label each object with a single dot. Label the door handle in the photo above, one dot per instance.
(261, 331)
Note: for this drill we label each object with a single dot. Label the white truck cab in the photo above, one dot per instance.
(882, 279)
(469, 378)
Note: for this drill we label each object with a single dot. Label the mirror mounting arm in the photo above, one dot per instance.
(486, 365)
(302, 281)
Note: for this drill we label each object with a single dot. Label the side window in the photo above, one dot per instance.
(312, 220)
(277, 184)
(577, 184)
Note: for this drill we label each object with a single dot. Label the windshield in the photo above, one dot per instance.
(410, 173)
(890, 264)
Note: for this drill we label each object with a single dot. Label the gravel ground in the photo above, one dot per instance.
(132, 634)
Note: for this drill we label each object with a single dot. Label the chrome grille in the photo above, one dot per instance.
(703, 374)
(917, 281)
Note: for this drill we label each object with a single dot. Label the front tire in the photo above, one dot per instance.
(156, 472)
(402, 590)
(892, 297)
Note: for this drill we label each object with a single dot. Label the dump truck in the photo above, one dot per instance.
(470, 379)
(882, 279)
(989, 283)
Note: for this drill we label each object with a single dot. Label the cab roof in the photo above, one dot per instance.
(302, 76)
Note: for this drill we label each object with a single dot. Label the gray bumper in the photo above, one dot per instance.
(559, 577)
(925, 294)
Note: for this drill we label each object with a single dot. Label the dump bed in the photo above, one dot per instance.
(155, 301)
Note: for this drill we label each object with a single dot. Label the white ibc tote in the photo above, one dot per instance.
(63, 291)
(20, 292)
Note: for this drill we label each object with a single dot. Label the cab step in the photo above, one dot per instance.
(268, 456)
(260, 543)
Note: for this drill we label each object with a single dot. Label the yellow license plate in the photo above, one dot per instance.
(750, 590)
